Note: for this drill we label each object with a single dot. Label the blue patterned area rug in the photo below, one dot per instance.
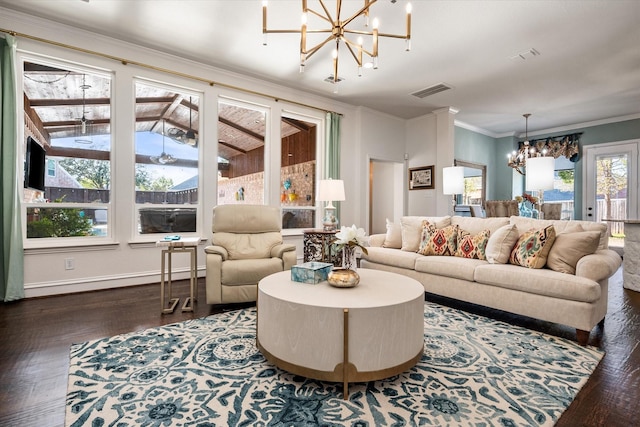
(207, 372)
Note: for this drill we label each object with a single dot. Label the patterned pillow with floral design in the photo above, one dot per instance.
(438, 241)
(470, 246)
(532, 247)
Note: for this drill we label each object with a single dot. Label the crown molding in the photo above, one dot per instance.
(550, 130)
(583, 125)
(476, 129)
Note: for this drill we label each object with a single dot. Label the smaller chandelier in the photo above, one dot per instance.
(339, 32)
(518, 159)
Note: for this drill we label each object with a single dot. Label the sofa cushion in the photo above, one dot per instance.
(438, 241)
(388, 256)
(412, 229)
(475, 225)
(570, 247)
(472, 245)
(393, 238)
(501, 243)
(532, 247)
(524, 223)
(539, 281)
(448, 266)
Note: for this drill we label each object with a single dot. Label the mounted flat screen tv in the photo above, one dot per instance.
(34, 165)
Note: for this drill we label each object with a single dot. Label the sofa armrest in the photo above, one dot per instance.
(278, 250)
(599, 266)
(217, 250)
(377, 240)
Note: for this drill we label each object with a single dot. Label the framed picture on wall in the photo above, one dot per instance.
(421, 178)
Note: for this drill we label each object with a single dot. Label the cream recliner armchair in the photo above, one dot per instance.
(246, 247)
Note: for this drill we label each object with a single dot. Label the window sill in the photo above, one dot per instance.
(141, 244)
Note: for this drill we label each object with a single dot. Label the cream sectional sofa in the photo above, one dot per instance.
(578, 300)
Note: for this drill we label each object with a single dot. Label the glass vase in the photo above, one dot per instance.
(349, 260)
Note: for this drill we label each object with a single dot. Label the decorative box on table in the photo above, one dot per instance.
(311, 272)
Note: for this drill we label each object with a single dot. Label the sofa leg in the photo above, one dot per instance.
(601, 323)
(582, 336)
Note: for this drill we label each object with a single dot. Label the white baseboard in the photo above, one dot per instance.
(33, 290)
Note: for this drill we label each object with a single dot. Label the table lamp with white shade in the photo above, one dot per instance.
(330, 190)
(453, 183)
(539, 177)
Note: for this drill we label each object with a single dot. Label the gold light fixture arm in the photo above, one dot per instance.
(365, 8)
(327, 13)
(317, 47)
(326, 18)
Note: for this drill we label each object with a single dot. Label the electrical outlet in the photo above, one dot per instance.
(69, 264)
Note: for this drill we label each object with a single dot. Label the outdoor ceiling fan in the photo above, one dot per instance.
(189, 137)
(163, 158)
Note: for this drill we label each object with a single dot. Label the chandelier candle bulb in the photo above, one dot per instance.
(264, 22)
(303, 34)
(408, 42)
(375, 40)
(335, 64)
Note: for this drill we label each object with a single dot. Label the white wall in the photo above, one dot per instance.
(422, 151)
(430, 142)
(381, 137)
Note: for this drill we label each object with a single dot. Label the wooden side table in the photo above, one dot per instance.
(317, 245)
(184, 245)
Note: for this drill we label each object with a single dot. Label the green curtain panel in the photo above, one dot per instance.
(332, 151)
(11, 251)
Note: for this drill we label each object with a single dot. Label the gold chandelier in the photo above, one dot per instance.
(518, 159)
(338, 31)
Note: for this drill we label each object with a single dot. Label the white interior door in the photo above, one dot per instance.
(611, 191)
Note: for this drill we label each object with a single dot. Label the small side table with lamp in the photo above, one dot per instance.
(330, 190)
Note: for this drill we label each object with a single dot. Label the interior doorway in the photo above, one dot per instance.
(386, 193)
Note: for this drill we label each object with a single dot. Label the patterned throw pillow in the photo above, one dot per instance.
(532, 247)
(438, 241)
(470, 246)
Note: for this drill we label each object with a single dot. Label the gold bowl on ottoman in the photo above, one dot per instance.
(343, 278)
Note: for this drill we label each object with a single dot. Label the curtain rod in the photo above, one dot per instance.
(125, 61)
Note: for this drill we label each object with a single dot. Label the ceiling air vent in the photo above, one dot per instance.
(432, 90)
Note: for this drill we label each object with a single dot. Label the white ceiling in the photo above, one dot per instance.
(588, 68)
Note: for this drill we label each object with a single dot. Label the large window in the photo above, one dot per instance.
(241, 151)
(166, 167)
(67, 150)
(298, 173)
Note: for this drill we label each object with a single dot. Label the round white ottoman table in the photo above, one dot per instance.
(366, 333)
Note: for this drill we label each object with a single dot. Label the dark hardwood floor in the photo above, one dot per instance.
(36, 335)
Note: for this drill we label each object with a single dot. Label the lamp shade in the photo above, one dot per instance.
(540, 173)
(330, 190)
(453, 180)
